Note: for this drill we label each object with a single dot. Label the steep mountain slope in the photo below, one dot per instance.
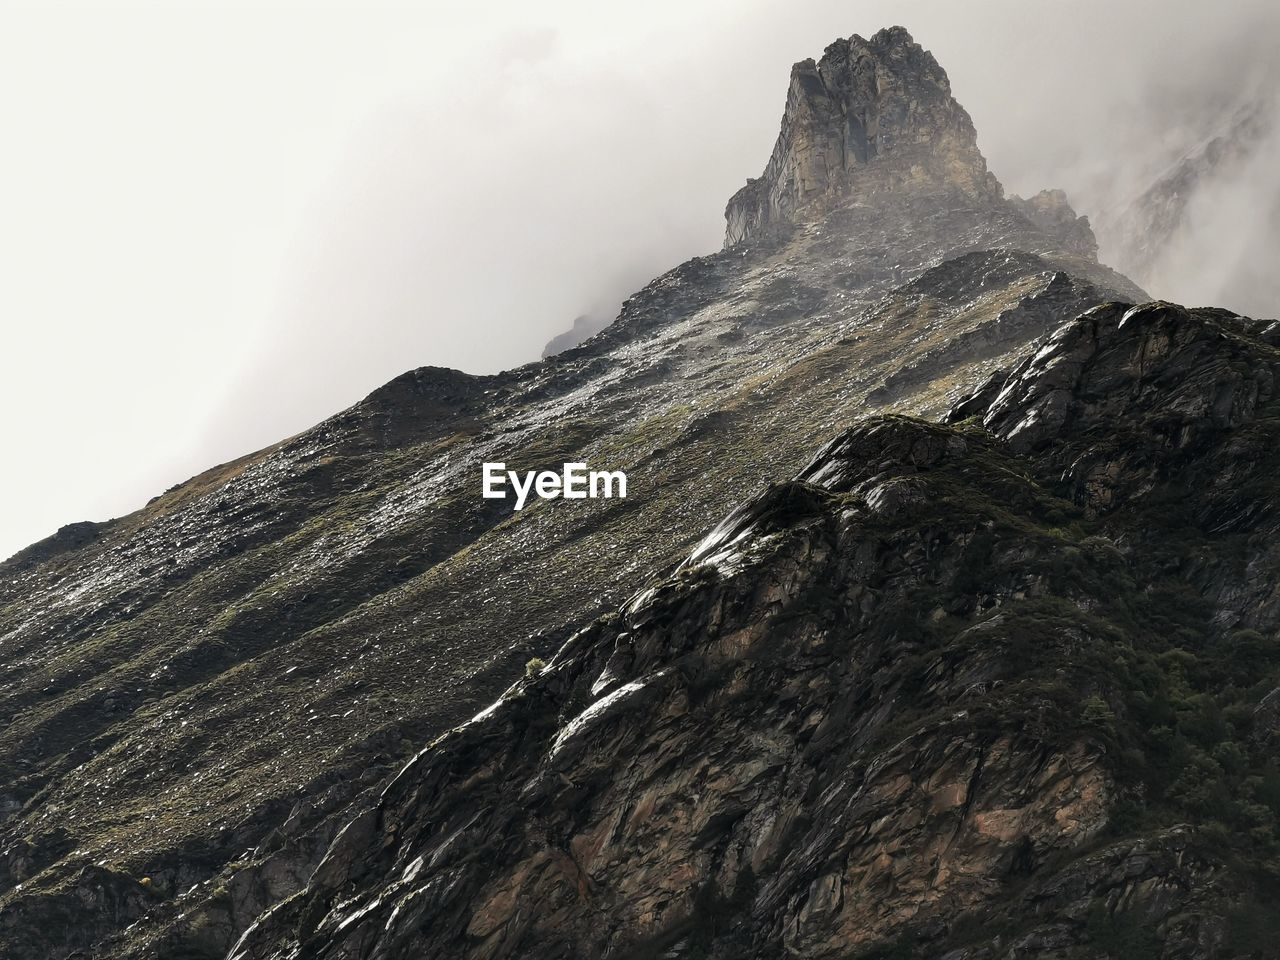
(910, 701)
(197, 696)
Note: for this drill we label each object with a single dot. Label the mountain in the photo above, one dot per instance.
(988, 672)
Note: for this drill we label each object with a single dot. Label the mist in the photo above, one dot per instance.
(220, 223)
(1225, 252)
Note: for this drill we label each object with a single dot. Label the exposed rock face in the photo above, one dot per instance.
(881, 704)
(871, 115)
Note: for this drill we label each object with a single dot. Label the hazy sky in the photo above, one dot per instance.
(221, 222)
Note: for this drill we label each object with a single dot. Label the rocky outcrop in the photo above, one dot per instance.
(1050, 210)
(871, 115)
(873, 118)
(68, 538)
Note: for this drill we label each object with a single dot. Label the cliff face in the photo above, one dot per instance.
(871, 115)
(986, 686)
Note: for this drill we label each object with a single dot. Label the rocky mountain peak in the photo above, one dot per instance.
(870, 116)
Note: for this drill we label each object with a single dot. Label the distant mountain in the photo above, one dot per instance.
(584, 327)
(832, 680)
(1209, 224)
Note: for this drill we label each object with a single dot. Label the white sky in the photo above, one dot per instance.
(220, 223)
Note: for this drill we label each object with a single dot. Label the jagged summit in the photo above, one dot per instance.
(876, 174)
(871, 115)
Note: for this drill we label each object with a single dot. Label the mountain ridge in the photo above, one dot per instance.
(648, 790)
